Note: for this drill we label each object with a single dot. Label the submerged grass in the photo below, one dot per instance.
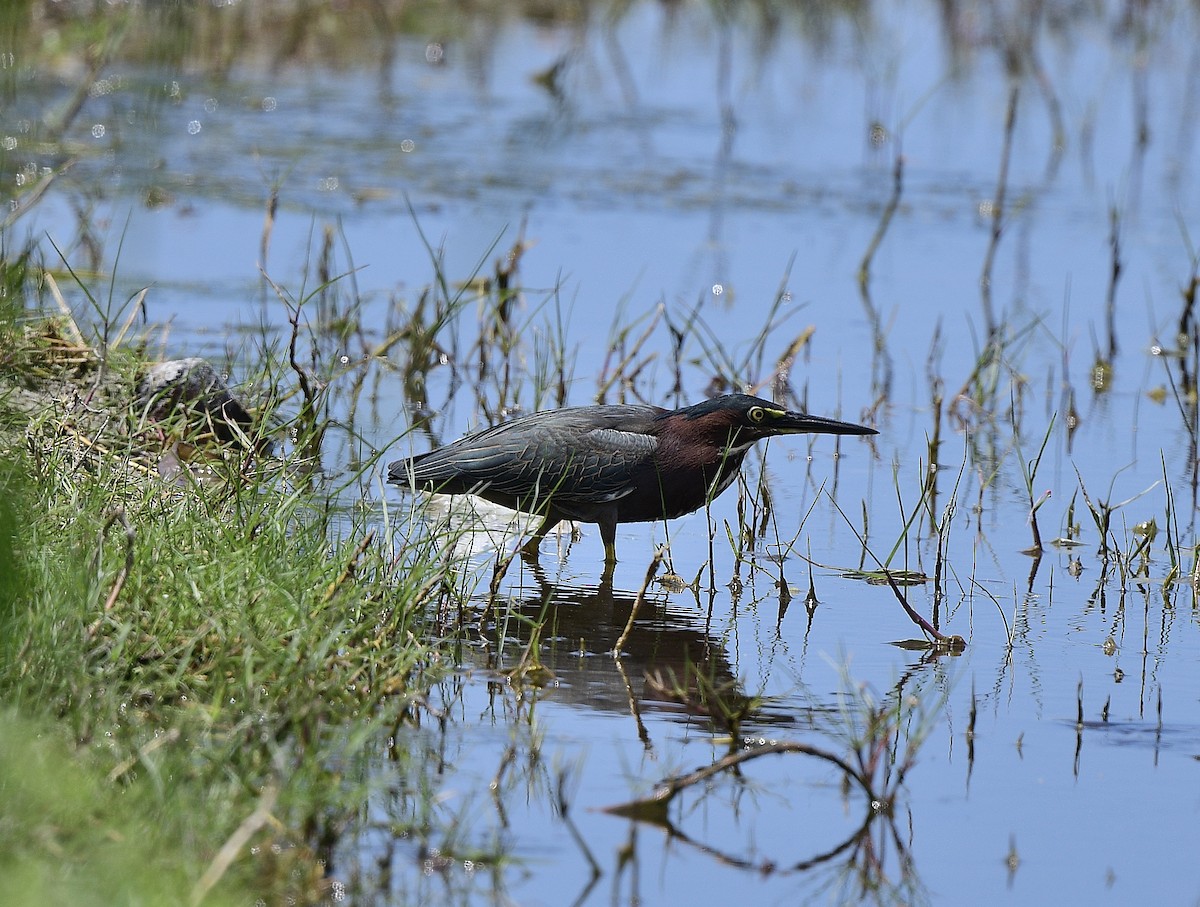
(194, 675)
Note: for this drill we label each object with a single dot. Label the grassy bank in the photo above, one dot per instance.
(195, 672)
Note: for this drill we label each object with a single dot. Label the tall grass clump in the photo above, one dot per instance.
(196, 673)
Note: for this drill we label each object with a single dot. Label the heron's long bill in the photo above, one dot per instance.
(794, 423)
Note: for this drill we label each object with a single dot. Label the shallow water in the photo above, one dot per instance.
(698, 167)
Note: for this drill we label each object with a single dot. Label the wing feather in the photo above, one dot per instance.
(584, 454)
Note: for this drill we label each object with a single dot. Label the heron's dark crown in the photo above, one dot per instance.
(729, 404)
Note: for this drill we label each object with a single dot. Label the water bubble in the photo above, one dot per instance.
(211, 105)
(98, 131)
(717, 289)
(434, 53)
(269, 104)
(407, 145)
(194, 127)
(328, 184)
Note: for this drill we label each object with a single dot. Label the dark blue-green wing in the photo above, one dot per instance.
(586, 454)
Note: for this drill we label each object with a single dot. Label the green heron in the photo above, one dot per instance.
(609, 464)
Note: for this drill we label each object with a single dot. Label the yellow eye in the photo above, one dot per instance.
(756, 414)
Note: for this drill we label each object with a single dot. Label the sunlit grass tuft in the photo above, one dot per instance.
(205, 663)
